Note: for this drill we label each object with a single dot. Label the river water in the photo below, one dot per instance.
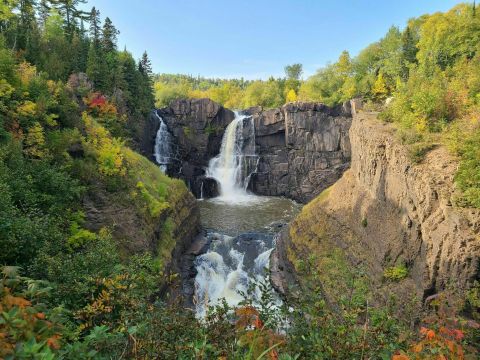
(242, 237)
(240, 226)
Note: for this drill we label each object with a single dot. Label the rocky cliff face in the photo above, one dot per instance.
(387, 211)
(303, 148)
(198, 126)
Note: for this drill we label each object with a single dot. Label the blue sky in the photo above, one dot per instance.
(254, 39)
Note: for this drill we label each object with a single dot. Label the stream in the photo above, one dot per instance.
(240, 226)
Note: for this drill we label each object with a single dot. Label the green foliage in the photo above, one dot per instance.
(364, 222)
(468, 175)
(395, 273)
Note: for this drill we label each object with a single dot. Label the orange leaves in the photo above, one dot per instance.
(256, 336)
(248, 316)
(12, 301)
(23, 321)
(53, 342)
(444, 343)
(400, 357)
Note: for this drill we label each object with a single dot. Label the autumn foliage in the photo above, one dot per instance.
(23, 322)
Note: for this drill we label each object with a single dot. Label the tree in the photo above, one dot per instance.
(35, 141)
(409, 46)
(291, 96)
(380, 90)
(26, 22)
(69, 9)
(95, 26)
(43, 8)
(109, 36)
(145, 65)
(294, 71)
(97, 69)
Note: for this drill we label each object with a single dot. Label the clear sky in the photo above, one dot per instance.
(254, 38)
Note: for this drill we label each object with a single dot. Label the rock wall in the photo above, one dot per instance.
(198, 126)
(387, 211)
(303, 148)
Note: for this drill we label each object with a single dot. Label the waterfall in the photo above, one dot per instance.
(164, 145)
(237, 160)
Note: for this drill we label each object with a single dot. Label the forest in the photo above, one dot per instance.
(72, 108)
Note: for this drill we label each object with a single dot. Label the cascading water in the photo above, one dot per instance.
(236, 257)
(164, 145)
(229, 267)
(237, 160)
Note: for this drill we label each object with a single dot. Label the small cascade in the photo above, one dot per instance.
(229, 267)
(164, 150)
(237, 160)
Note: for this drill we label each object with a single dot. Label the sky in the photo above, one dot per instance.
(254, 39)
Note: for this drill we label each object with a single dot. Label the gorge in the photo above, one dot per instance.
(298, 151)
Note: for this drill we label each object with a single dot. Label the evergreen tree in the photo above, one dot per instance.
(43, 9)
(69, 9)
(109, 36)
(26, 22)
(95, 26)
(409, 46)
(145, 65)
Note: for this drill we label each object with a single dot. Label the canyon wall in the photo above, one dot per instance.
(197, 126)
(386, 211)
(303, 147)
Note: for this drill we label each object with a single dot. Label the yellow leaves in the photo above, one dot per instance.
(6, 89)
(291, 96)
(107, 150)
(27, 109)
(34, 143)
(380, 90)
(26, 72)
(110, 158)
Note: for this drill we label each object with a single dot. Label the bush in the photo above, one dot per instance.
(395, 273)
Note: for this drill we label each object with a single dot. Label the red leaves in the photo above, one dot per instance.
(99, 105)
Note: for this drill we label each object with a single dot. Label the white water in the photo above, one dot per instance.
(232, 264)
(227, 270)
(164, 148)
(237, 160)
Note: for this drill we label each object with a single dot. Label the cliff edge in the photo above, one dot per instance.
(386, 212)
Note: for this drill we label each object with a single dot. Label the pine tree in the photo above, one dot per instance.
(409, 51)
(95, 26)
(145, 65)
(109, 36)
(69, 9)
(26, 23)
(409, 46)
(43, 8)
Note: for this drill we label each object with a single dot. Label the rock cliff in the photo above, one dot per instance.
(303, 148)
(387, 211)
(197, 126)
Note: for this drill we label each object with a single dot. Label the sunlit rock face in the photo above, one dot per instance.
(303, 149)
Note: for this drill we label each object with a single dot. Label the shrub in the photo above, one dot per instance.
(395, 273)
